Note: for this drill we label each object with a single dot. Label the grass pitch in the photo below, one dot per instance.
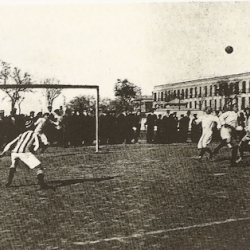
(138, 196)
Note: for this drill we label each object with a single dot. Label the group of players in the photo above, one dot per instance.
(233, 125)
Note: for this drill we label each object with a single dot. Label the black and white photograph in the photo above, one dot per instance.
(124, 125)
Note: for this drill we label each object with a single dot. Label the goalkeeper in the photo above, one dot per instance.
(22, 149)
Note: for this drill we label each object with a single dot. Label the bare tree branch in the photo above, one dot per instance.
(51, 93)
(6, 77)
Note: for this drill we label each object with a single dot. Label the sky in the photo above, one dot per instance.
(148, 43)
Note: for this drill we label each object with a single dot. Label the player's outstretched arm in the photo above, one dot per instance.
(9, 146)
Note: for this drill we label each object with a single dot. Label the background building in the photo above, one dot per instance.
(144, 103)
(197, 94)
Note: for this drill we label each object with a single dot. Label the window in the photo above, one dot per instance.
(244, 87)
(195, 92)
(191, 92)
(231, 88)
(236, 88)
(166, 95)
(200, 92)
(182, 94)
(215, 90)
(155, 97)
(211, 90)
(195, 105)
(161, 96)
(190, 105)
(243, 102)
(205, 91)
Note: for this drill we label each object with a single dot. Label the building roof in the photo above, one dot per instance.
(217, 78)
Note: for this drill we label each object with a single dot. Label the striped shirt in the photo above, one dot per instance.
(26, 142)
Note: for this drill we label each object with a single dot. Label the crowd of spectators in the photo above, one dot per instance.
(169, 128)
(124, 128)
(73, 128)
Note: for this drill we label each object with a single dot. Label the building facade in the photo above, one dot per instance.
(198, 94)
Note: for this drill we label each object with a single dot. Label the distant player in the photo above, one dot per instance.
(228, 133)
(244, 144)
(208, 121)
(23, 147)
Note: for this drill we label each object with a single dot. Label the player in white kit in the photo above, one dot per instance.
(208, 121)
(39, 130)
(229, 123)
(244, 144)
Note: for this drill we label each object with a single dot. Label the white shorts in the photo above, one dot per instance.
(226, 134)
(205, 139)
(28, 158)
(43, 138)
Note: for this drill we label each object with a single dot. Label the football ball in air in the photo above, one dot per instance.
(229, 49)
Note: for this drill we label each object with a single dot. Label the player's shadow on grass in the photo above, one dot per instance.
(221, 159)
(63, 183)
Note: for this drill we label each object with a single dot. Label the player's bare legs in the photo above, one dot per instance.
(202, 152)
(221, 145)
(40, 176)
(44, 147)
(11, 176)
(234, 154)
(11, 172)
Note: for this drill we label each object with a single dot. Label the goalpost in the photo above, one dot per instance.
(60, 86)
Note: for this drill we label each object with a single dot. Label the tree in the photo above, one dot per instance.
(125, 93)
(51, 93)
(106, 104)
(82, 103)
(229, 91)
(8, 76)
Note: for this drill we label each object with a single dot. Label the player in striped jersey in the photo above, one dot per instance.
(22, 149)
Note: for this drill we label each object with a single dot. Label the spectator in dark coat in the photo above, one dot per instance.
(195, 130)
(150, 127)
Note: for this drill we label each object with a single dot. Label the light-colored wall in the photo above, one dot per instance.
(245, 77)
